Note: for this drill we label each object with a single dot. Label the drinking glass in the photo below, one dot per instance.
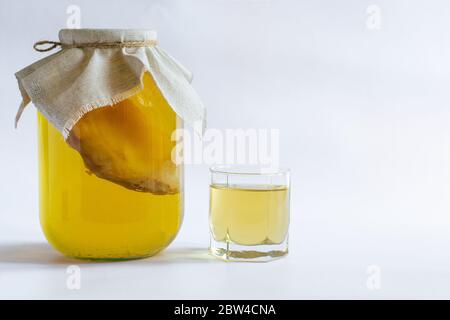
(249, 213)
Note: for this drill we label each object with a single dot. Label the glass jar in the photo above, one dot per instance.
(110, 191)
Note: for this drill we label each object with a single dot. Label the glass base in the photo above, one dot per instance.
(231, 251)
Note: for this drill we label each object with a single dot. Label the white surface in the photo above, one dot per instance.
(364, 123)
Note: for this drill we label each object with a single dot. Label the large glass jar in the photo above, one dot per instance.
(111, 190)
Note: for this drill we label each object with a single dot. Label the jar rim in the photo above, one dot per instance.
(79, 36)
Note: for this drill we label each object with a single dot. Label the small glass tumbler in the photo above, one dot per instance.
(249, 213)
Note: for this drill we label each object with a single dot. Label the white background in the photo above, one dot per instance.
(364, 124)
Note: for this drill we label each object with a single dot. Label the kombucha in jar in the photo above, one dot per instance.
(111, 190)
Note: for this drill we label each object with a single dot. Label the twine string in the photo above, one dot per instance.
(46, 45)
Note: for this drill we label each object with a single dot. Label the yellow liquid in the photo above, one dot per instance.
(249, 216)
(85, 216)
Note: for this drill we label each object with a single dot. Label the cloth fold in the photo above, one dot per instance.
(66, 85)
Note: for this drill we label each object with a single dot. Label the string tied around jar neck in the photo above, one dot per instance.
(46, 45)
